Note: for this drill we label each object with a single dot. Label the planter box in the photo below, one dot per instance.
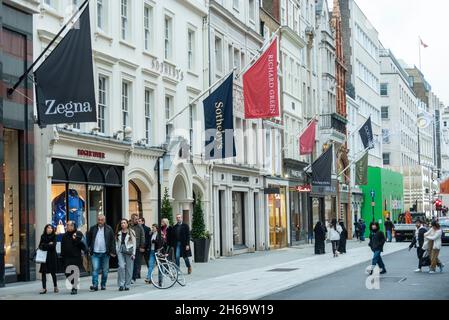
(201, 250)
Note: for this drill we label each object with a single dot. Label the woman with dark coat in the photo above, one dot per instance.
(48, 243)
(343, 238)
(376, 243)
(320, 237)
(71, 247)
(155, 243)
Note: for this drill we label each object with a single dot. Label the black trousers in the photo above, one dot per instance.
(44, 280)
(420, 253)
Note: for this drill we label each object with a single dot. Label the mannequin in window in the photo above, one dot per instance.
(76, 208)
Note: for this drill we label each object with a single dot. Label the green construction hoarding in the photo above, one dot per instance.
(386, 188)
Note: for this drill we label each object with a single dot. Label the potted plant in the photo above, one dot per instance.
(166, 208)
(200, 236)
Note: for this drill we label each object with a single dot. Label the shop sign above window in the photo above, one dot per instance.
(91, 154)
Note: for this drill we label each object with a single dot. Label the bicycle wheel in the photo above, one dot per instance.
(181, 278)
(162, 277)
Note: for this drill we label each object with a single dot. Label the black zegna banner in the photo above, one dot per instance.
(65, 89)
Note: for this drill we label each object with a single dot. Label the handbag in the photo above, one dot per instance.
(41, 256)
(125, 250)
(60, 228)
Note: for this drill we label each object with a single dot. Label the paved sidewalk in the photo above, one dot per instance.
(246, 274)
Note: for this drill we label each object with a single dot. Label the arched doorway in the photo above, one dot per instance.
(134, 199)
(182, 204)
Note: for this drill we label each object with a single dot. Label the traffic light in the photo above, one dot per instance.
(438, 204)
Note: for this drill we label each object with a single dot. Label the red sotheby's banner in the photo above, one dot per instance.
(260, 86)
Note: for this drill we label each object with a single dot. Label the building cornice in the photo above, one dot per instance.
(194, 5)
(293, 36)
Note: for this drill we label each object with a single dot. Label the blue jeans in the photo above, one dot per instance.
(178, 255)
(377, 259)
(100, 261)
(151, 264)
(389, 238)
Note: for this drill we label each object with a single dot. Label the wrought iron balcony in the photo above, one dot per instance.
(333, 121)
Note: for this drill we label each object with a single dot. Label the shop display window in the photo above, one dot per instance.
(237, 219)
(96, 203)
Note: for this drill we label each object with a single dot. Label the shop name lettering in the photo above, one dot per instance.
(239, 178)
(167, 69)
(68, 109)
(93, 154)
(219, 124)
(271, 83)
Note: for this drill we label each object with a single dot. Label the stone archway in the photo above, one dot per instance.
(182, 201)
(139, 198)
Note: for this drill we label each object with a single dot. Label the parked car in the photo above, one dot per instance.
(444, 223)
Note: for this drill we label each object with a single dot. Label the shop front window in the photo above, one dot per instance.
(95, 204)
(77, 206)
(278, 219)
(11, 201)
(237, 219)
(59, 207)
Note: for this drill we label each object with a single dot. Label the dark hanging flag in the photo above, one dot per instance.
(65, 89)
(366, 133)
(322, 169)
(219, 123)
(361, 170)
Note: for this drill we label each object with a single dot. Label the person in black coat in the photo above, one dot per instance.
(155, 243)
(343, 238)
(320, 237)
(376, 243)
(48, 243)
(418, 242)
(180, 241)
(146, 231)
(71, 247)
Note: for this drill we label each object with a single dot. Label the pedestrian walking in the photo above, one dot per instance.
(362, 229)
(357, 229)
(126, 248)
(146, 232)
(389, 226)
(320, 237)
(418, 243)
(180, 239)
(71, 246)
(376, 243)
(343, 238)
(334, 236)
(155, 243)
(48, 243)
(140, 242)
(434, 235)
(101, 246)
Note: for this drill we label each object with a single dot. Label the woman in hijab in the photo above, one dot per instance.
(320, 237)
(343, 237)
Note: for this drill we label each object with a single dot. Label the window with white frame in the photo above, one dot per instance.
(102, 102)
(191, 49)
(252, 10)
(235, 4)
(384, 89)
(168, 37)
(168, 115)
(148, 111)
(125, 104)
(384, 112)
(218, 54)
(102, 14)
(237, 60)
(125, 19)
(50, 3)
(290, 14)
(386, 158)
(147, 26)
(386, 136)
(283, 12)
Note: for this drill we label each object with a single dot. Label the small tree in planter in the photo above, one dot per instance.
(166, 208)
(200, 237)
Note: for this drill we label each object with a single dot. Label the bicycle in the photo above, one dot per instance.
(167, 273)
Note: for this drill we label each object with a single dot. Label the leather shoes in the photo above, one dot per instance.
(92, 288)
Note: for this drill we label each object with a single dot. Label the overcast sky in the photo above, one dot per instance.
(400, 23)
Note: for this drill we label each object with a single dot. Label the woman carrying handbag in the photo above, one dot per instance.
(126, 253)
(48, 244)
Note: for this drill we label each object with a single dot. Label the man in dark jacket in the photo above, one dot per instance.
(376, 243)
(101, 246)
(418, 242)
(389, 226)
(146, 232)
(71, 247)
(180, 238)
(140, 243)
